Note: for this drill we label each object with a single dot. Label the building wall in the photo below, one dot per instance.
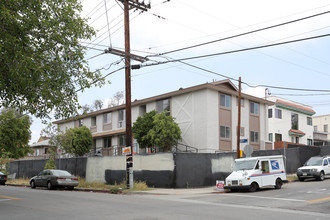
(320, 121)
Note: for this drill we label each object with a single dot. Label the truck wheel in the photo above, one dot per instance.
(278, 183)
(253, 187)
(321, 176)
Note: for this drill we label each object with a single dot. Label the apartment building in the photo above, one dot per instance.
(290, 122)
(321, 129)
(207, 115)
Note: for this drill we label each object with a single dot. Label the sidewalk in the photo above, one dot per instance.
(184, 191)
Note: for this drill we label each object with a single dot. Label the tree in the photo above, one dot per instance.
(156, 129)
(141, 127)
(98, 104)
(165, 131)
(14, 135)
(117, 99)
(41, 60)
(56, 135)
(77, 141)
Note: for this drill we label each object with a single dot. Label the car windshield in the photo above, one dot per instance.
(61, 173)
(314, 162)
(244, 164)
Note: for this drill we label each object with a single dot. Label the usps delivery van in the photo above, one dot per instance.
(256, 172)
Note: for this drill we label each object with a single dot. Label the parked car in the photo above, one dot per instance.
(316, 167)
(3, 178)
(53, 179)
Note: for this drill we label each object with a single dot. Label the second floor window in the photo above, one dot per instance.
(107, 118)
(278, 113)
(325, 128)
(121, 118)
(107, 142)
(270, 113)
(163, 105)
(93, 122)
(225, 100)
(81, 122)
(225, 132)
(294, 121)
(309, 121)
(254, 136)
(254, 108)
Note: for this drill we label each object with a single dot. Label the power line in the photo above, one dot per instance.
(106, 12)
(232, 51)
(246, 33)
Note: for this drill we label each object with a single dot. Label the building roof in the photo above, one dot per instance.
(224, 86)
(294, 107)
(44, 143)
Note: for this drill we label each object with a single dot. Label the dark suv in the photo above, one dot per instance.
(316, 167)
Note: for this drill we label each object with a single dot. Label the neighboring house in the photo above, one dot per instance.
(207, 115)
(321, 129)
(41, 148)
(290, 122)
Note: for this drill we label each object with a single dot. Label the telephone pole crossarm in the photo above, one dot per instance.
(136, 4)
(123, 54)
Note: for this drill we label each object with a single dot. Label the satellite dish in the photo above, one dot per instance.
(248, 150)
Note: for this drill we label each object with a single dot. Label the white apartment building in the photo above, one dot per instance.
(207, 115)
(321, 129)
(290, 122)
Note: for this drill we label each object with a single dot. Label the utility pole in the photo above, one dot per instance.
(128, 4)
(239, 118)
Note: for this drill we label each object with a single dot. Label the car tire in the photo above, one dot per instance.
(253, 187)
(278, 183)
(321, 176)
(33, 184)
(301, 179)
(49, 185)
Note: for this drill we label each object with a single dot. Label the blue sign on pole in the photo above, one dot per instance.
(243, 140)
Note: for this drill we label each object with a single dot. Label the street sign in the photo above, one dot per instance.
(126, 151)
(243, 140)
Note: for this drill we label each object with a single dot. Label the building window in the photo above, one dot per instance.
(225, 100)
(80, 122)
(93, 122)
(270, 113)
(163, 105)
(254, 108)
(325, 128)
(254, 136)
(121, 118)
(46, 150)
(122, 140)
(106, 142)
(107, 118)
(309, 121)
(315, 128)
(242, 102)
(309, 142)
(294, 121)
(278, 113)
(241, 131)
(278, 137)
(297, 140)
(270, 137)
(225, 132)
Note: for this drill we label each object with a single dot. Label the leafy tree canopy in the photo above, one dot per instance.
(41, 61)
(77, 141)
(141, 127)
(154, 129)
(14, 135)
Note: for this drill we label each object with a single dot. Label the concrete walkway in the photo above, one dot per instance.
(184, 191)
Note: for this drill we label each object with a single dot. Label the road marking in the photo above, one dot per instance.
(8, 197)
(2, 200)
(318, 200)
(262, 197)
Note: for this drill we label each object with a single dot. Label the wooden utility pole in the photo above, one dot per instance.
(239, 118)
(129, 140)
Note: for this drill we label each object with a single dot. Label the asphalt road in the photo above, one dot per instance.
(306, 200)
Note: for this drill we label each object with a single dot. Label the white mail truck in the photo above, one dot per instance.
(253, 173)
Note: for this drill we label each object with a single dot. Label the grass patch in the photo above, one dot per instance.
(21, 181)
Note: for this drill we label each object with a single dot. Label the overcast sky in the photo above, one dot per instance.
(178, 24)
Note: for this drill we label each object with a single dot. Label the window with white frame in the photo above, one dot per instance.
(270, 137)
(254, 136)
(309, 121)
(254, 108)
(121, 118)
(107, 118)
(294, 121)
(278, 113)
(225, 132)
(270, 113)
(122, 140)
(225, 100)
(163, 105)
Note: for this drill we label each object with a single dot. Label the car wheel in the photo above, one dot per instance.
(33, 184)
(321, 176)
(49, 185)
(278, 183)
(253, 187)
(301, 179)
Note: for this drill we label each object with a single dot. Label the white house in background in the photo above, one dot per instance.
(207, 115)
(321, 129)
(290, 122)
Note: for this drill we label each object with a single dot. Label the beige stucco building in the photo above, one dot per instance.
(207, 115)
(321, 129)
